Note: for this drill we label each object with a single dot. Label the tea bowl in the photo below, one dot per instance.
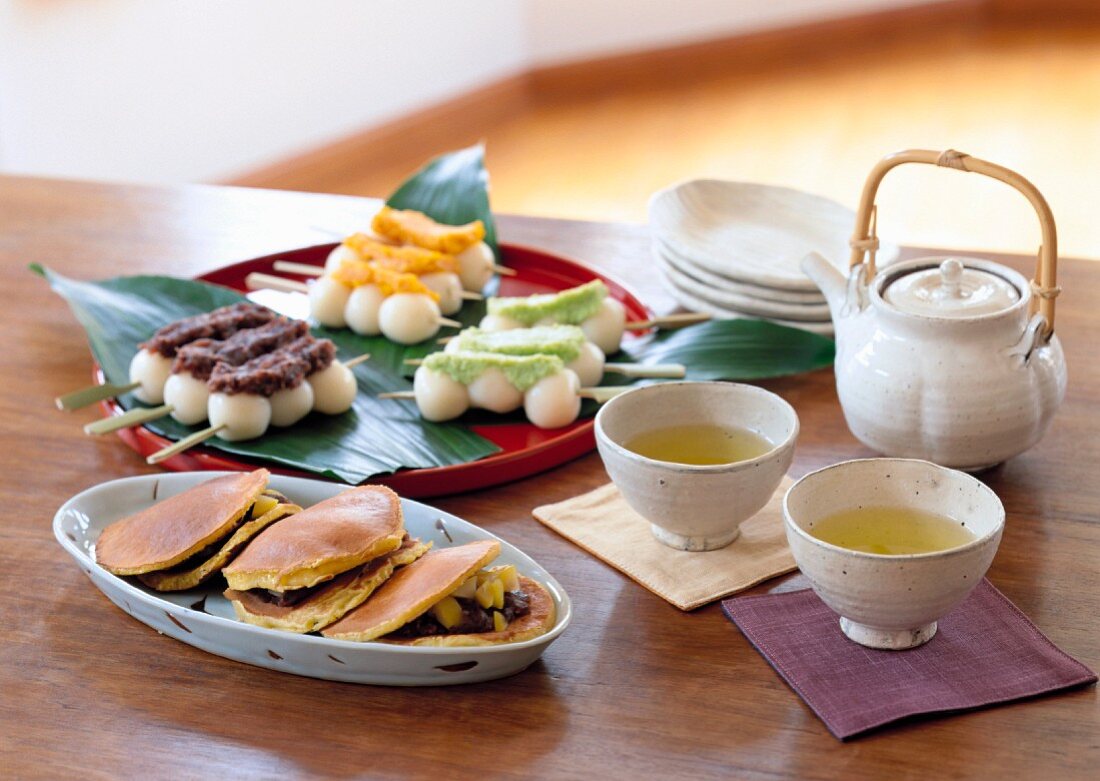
(696, 508)
(887, 601)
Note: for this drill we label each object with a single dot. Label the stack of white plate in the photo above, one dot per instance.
(733, 249)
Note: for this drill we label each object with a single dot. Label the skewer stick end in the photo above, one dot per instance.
(450, 323)
(410, 395)
(504, 271)
(357, 360)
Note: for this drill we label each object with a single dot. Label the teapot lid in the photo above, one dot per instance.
(951, 290)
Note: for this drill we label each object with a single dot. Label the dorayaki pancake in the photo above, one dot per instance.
(534, 623)
(413, 590)
(172, 531)
(319, 543)
(205, 564)
(331, 600)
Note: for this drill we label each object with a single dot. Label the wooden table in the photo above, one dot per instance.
(634, 689)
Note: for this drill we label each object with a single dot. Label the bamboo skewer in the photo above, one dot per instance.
(92, 394)
(184, 444)
(357, 360)
(600, 394)
(655, 371)
(305, 269)
(134, 417)
(257, 280)
(469, 295)
(504, 271)
(678, 320)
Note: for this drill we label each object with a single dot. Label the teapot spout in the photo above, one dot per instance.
(832, 283)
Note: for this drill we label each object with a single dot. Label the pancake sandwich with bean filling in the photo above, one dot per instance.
(188, 538)
(449, 598)
(333, 556)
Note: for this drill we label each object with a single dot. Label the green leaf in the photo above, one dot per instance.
(375, 437)
(452, 189)
(736, 350)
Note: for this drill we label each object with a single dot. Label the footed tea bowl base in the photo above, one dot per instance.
(887, 639)
(694, 544)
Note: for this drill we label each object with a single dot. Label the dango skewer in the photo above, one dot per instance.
(567, 342)
(446, 385)
(589, 306)
(236, 412)
(449, 292)
(152, 363)
(399, 306)
(185, 391)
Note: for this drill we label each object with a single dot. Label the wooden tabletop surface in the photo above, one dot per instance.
(634, 689)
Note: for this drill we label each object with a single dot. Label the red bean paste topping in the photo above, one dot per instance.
(201, 356)
(265, 375)
(219, 324)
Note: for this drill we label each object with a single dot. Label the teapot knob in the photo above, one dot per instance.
(951, 271)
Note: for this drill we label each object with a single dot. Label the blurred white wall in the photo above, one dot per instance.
(177, 90)
(191, 90)
(564, 30)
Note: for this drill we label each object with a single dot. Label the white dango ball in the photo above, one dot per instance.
(408, 318)
(152, 370)
(449, 289)
(334, 389)
(338, 256)
(453, 346)
(605, 327)
(188, 397)
(499, 323)
(290, 405)
(438, 396)
(475, 266)
(588, 366)
(244, 415)
(327, 301)
(362, 309)
(552, 402)
(493, 392)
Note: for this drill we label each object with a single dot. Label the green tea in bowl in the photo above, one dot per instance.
(700, 444)
(891, 530)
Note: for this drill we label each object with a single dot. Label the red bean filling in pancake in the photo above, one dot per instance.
(475, 618)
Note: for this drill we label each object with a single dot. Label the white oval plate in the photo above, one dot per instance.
(755, 233)
(203, 618)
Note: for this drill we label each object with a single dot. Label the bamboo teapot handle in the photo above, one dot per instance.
(864, 242)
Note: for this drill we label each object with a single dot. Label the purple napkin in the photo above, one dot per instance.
(985, 652)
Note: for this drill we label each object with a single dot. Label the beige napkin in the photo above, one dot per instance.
(602, 523)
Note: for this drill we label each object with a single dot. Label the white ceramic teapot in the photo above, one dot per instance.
(953, 360)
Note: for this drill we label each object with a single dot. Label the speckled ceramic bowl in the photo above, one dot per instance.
(884, 601)
(696, 508)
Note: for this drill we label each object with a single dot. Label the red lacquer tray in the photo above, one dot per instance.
(525, 450)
